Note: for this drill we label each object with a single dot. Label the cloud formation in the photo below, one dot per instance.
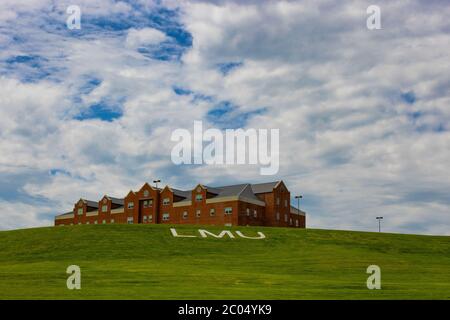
(363, 115)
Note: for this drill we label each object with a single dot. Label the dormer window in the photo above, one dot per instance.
(166, 201)
(199, 197)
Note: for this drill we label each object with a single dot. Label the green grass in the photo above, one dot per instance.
(146, 262)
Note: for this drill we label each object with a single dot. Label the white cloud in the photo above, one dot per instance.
(145, 36)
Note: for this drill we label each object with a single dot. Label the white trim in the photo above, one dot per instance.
(182, 203)
(68, 216)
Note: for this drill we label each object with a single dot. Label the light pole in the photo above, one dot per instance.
(298, 205)
(156, 183)
(379, 223)
(298, 202)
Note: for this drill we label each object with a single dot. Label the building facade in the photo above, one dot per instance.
(263, 204)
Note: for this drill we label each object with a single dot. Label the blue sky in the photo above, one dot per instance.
(363, 115)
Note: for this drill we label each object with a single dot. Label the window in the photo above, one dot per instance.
(80, 211)
(296, 223)
(198, 197)
(285, 218)
(290, 221)
(150, 218)
(145, 193)
(130, 220)
(198, 213)
(212, 212)
(166, 217)
(185, 214)
(278, 201)
(145, 218)
(88, 222)
(255, 214)
(79, 222)
(248, 212)
(130, 205)
(228, 210)
(95, 222)
(285, 203)
(104, 221)
(112, 220)
(278, 216)
(166, 201)
(148, 203)
(104, 208)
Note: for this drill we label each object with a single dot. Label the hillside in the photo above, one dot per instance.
(147, 262)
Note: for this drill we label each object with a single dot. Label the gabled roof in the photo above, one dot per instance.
(182, 193)
(65, 214)
(296, 211)
(90, 203)
(264, 187)
(213, 190)
(118, 201)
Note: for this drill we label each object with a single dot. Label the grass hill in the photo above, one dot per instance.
(147, 262)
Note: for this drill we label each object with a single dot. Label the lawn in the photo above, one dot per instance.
(147, 262)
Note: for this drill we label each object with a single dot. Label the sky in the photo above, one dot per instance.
(363, 115)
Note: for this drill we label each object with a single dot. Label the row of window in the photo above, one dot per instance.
(148, 203)
(285, 202)
(255, 213)
(95, 222)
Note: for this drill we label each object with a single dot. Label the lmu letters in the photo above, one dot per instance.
(223, 233)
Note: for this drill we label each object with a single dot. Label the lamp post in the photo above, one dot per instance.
(298, 205)
(298, 202)
(379, 223)
(156, 183)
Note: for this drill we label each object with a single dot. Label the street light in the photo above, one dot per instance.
(156, 182)
(298, 202)
(379, 223)
(298, 205)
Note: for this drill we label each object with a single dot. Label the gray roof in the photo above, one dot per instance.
(240, 190)
(227, 191)
(118, 201)
(65, 214)
(182, 193)
(264, 187)
(296, 211)
(213, 190)
(91, 203)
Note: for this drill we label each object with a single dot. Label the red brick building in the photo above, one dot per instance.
(262, 204)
